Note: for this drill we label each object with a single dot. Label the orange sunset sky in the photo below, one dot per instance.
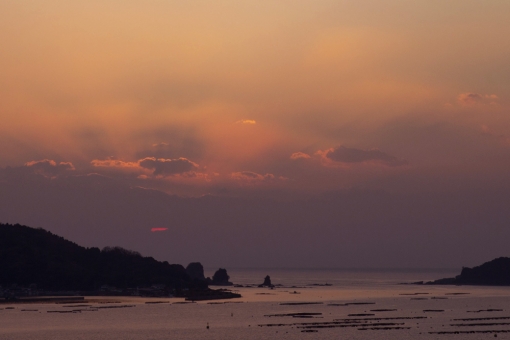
(273, 100)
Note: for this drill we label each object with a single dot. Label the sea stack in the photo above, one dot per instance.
(267, 282)
(195, 270)
(220, 278)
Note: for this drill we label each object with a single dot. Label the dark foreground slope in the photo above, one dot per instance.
(35, 256)
(492, 273)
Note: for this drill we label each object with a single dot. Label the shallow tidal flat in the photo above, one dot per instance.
(390, 312)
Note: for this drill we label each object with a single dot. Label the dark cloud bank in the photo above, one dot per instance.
(168, 166)
(341, 229)
(344, 154)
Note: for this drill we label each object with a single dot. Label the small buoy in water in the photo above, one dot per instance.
(207, 325)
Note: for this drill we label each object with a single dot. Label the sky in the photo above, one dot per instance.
(298, 133)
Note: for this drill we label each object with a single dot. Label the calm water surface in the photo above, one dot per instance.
(389, 311)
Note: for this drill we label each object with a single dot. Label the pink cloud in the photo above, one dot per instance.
(299, 155)
(161, 166)
(114, 163)
(486, 131)
(251, 176)
(470, 98)
(50, 168)
(344, 155)
(156, 166)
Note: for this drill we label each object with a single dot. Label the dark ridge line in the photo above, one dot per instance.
(433, 310)
(361, 314)
(414, 294)
(484, 310)
(383, 310)
(457, 293)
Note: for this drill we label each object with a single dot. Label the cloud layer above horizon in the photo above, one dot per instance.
(326, 94)
(280, 100)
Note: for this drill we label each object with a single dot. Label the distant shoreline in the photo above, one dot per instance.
(88, 299)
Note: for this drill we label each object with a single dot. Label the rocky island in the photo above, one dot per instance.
(267, 282)
(492, 273)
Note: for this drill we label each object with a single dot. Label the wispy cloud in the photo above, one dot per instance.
(50, 168)
(471, 98)
(249, 176)
(347, 155)
(246, 121)
(114, 163)
(299, 155)
(162, 144)
(161, 166)
(157, 166)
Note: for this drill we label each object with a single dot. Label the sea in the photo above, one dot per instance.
(305, 304)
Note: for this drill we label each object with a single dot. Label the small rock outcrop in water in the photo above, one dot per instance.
(267, 282)
(195, 270)
(492, 273)
(220, 278)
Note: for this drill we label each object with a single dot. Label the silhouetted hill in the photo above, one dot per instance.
(36, 256)
(492, 273)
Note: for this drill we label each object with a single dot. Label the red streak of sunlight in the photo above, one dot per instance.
(158, 229)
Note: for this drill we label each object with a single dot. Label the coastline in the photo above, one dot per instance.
(287, 295)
